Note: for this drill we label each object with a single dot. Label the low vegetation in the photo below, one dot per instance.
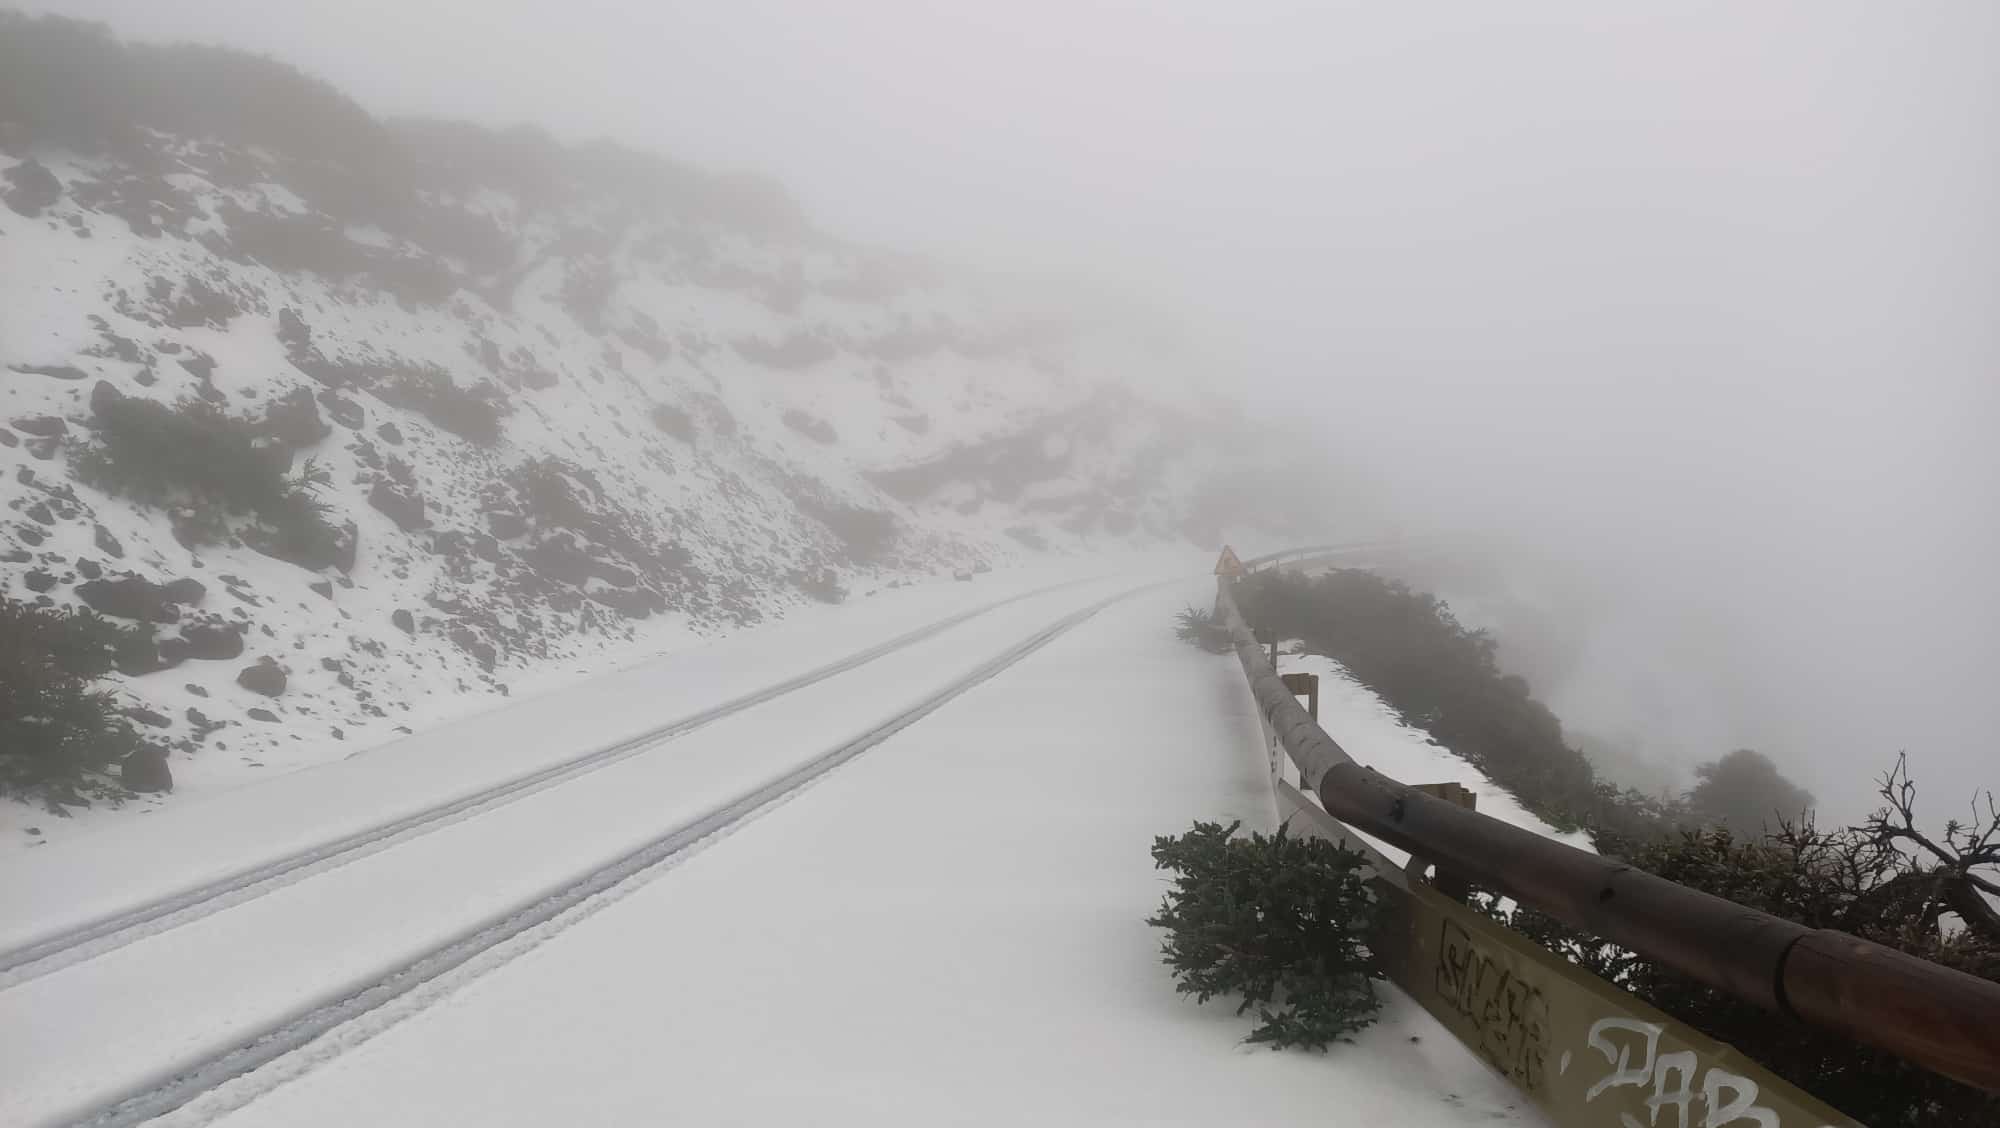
(472, 412)
(1444, 678)
(206, 465)
(1198, 626)
(59, 732)
(1886, 879)
(1279, 923)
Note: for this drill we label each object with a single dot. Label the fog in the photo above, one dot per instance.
(1686, 315)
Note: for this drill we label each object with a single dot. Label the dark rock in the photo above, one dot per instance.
(108, 544)
(104, 397)
(147, 716)
(16, 556)
(9, 439)
(89, 569)
(322, 588)
(31, 534)
(468, 640)
(505, 525)
(211, 641)
(185, 590)
(43, 449)
(962, 576)
(40, 512)
(145, 770)
(32, 187)
(344, 411)
(146, 378)
(139, 655)
(45, 425)
(405, 622)
(199, 719)
(613, 574)
(195, 689)
(636, 603)
(133, 597)
(201, 366)
(266, 677)
(346, 545)
(293, 419)
(405, 509)
(294, 332)
(390, 433)
(486, 548)
(39, 581)
(52, 371)
(559, 559)
(264, 715)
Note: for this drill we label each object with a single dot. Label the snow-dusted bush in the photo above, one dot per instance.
(1280, 922)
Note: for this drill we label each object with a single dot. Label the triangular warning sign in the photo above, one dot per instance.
(1229, 565)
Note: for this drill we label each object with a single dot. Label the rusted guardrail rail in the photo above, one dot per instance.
(1530, 1013)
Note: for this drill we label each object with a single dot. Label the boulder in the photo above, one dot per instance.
(43, 425)
(266, 677)
(89, 569)
(558, 558)
(108, 544)
(32, 187)
(322, 588)
(40, 512)
(214, 640)
(294, 420)
(104, 398)
(145, 770)
(344, 411)
(264, 715)
(147, 716)
(133, 597)
(390, 433)
(505, 525)
(405, 622)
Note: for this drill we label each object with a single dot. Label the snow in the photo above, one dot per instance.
(948, 929)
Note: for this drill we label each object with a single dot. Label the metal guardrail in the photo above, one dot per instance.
(1941, 1019)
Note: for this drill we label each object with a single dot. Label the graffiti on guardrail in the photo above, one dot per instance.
(1678, 1081)
(1509, 1014)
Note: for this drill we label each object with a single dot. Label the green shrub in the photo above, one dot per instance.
(1281, 922)
(1199, 627)
(56, 732)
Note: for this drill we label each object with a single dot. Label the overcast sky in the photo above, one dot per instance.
(1698, 300)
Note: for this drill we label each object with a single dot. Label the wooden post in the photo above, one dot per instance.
(1307, 684)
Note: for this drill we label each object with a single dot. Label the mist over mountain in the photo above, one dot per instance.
(355, 414)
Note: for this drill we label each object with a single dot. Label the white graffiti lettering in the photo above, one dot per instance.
(1673, 1079)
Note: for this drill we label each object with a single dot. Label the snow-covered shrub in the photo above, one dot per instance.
(1280, 922)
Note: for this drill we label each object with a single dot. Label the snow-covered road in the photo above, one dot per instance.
(912, 887)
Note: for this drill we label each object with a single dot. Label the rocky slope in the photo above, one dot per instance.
(337, 415)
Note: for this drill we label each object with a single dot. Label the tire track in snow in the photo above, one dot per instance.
(37, 958)
(545, 917)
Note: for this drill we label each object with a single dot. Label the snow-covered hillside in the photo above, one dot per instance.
(371, 415)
